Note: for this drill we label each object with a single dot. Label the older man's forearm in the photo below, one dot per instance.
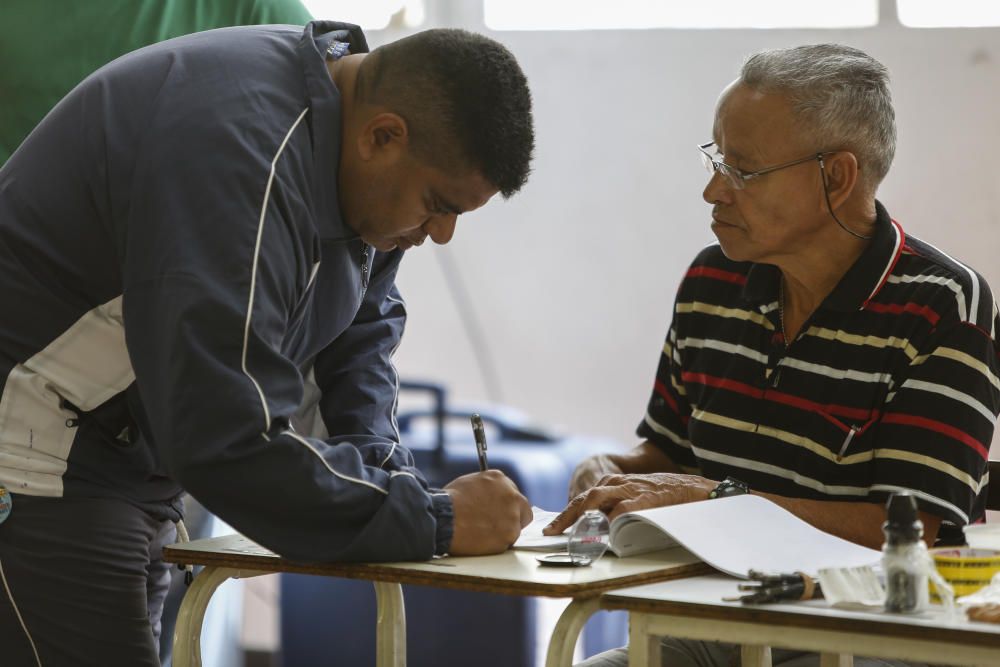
(857, 522)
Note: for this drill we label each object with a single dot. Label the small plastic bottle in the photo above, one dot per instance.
(904, 556)
(589, 538)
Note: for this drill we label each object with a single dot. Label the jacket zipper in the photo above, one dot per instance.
(364, 267)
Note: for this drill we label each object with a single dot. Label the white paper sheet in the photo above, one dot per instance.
(741, 533)
(531, 535)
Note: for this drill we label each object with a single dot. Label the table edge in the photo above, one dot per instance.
(442, 579)
(780, 618)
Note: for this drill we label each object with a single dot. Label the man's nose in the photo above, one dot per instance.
(718, 190)
(440, 228)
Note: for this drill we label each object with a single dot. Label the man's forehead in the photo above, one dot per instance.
(747, 119)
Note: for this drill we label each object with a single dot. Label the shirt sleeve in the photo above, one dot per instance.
(358, 381)
(217, 260)
(359, 385)
(935, 432)
(665, 423)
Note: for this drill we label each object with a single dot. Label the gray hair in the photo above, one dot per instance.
(838, 94)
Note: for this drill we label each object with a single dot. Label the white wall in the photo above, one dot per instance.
(574, 277)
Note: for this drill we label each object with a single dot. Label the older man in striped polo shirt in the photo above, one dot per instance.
(818, 356)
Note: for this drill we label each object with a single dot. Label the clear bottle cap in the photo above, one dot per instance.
(589, 538)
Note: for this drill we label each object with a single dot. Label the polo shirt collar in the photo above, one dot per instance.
(324, 102)
(861, 282)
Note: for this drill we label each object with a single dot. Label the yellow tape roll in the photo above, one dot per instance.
(967, 570)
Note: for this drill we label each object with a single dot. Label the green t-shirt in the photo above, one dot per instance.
(49, 46)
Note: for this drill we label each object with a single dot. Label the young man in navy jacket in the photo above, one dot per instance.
(199, 247)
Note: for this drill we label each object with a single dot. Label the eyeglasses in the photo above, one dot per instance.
(737, 177)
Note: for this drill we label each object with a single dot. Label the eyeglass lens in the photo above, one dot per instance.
(714, 164)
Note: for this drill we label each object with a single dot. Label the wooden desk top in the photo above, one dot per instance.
(701, 597)
(512, 572)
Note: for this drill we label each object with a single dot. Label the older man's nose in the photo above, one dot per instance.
(718, 189)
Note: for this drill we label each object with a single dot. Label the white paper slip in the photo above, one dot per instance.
(852, 587)
(531, 535)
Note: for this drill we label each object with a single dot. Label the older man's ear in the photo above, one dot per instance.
(840, 169)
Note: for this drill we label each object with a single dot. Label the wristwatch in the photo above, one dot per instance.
(729, 487)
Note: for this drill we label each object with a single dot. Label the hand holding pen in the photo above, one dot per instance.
(479, 433)
(489, 511)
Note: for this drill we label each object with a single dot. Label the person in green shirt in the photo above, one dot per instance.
(46, 48)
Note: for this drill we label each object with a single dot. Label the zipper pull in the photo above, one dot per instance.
(364, 267)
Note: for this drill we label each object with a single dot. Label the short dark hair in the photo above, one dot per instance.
(464, 98)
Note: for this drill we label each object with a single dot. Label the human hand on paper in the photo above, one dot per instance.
(617, 494)
(643, 458)
(592, 470)
(489, 513)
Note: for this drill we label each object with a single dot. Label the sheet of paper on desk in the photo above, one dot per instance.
(531, 535)
(737, 534)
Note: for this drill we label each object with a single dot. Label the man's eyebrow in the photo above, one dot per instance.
(733, 155)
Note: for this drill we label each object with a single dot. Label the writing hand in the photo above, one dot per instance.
(617, 494)
(489, 513)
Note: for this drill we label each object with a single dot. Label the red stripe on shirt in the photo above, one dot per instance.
(661, 389)
(939, 427)
(717, 274)
(785, 399)
(892, 263)
(913, 308)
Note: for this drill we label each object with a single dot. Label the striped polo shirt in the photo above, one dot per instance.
(891, 384)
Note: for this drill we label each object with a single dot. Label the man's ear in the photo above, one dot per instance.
(385, 135)
(841, 172)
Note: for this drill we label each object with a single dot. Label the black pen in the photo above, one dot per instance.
(480, 435)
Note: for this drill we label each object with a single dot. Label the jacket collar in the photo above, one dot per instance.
(325, 114)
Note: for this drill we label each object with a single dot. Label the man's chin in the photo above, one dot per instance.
(382, 245)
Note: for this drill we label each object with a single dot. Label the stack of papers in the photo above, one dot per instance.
(733, 535)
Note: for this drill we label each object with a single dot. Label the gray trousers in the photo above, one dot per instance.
(692, 653)
(82, 582)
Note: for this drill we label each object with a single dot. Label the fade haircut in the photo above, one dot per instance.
(465, 101)
(839, 95)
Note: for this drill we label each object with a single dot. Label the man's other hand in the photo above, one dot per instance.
(489, 513)
(617, 494)
(590, 471)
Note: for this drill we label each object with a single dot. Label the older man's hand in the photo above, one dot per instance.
(592, 470)
(617, 494)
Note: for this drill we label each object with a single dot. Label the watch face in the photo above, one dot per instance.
(730, 487)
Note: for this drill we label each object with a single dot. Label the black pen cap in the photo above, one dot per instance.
(902, 524)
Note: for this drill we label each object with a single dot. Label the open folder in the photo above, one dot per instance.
(734, 535)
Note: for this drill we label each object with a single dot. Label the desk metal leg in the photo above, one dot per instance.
(567, 631)
(390, 629)
(187, 631)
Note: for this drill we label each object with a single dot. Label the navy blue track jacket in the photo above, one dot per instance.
(179, 289)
